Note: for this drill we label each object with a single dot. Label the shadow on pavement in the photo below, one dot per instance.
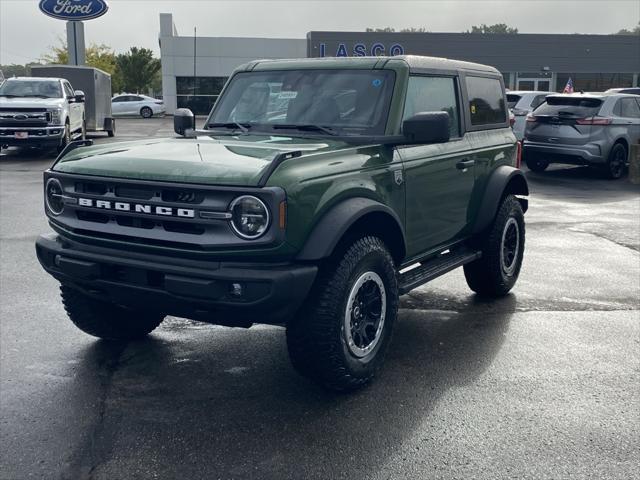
(204, 402)
(585, 183)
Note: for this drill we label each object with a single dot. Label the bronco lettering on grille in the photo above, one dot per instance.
(137, 208)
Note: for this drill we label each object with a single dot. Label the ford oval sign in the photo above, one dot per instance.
(74, 9)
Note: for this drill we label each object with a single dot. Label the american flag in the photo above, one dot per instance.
(568, 88)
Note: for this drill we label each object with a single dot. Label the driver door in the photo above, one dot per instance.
(439, 177)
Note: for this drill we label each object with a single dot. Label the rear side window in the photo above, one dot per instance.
(433, 94)
(537, 101)
(486, 101)
(512, 99)
(629, 108)
(570, 106)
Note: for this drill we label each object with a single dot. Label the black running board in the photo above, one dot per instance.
(435, 267)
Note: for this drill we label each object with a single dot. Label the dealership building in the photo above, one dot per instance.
(194, 69)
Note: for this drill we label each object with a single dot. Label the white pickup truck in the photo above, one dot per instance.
(40, 112)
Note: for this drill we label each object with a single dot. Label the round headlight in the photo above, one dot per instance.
(249, 217)
(53, 196)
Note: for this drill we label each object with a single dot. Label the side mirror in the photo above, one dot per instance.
(427, 127)
(183, 120)
(79, 96)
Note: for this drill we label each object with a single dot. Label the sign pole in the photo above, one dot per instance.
(75, 43)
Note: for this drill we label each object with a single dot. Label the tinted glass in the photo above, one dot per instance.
(537, 101)
(629, 108)
(512, 99)
(353, 101)
(433, 94)
(486, 101)
(569, 106)
(68, 89)
(118, 99)
(31, 88)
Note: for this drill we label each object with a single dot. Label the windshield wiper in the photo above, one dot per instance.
(305, 128)
(235, 125)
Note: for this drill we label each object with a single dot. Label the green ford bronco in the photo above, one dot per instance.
(317, 193)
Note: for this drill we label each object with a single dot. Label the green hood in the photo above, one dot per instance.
(237, 160)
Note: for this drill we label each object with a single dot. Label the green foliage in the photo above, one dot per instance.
(495, 28)
(138, 69)
(634, 31)
(97, 56)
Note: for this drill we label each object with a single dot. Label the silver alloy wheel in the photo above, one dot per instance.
(365, 314)
(510, 246)
(146, 112)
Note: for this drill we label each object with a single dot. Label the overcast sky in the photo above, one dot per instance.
(26, 33)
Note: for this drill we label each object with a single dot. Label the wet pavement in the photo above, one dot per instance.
(541, 384)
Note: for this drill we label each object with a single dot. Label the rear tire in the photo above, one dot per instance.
(616, 162)
(496, 272)
(340, 337)
(106, 320)
(536, 165)
(112, 132)
(146, 112)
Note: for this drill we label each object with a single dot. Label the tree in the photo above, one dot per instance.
(137, 68)
(634, 31)
(385, 29)
(97, 56)
(496, 28)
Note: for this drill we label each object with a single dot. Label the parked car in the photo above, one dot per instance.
(314, 209)
(583, 129)
(521, 103)
(40, 112)
(128, 104)
(632, 90)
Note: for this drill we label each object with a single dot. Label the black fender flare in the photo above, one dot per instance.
(328, 231)
(504, 177)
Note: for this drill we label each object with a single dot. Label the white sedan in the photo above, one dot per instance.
(129, 104)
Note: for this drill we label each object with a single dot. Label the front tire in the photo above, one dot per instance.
(66, 139)
(106, 320)
(496, 272)
(340, 337)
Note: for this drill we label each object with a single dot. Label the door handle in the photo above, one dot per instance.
(464, 164)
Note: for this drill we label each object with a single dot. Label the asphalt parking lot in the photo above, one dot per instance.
(541, 384)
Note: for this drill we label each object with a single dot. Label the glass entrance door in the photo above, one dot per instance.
(538, 84)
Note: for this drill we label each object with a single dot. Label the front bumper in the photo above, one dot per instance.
(205, 291)
(588, 154)
(37, 136)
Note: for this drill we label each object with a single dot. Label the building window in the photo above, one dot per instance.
(594, 82)
(199, 93)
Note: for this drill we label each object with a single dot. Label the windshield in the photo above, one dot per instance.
(31, 88)
(342, 101)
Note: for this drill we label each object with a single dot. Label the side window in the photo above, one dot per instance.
(136, 99)
(68, 90)
(629, 108)
(118, 99)
(486, 101)
(537, 101)
(617, 109)
(433, 94)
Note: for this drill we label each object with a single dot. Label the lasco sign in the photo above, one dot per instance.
(361, 50)
(74, 9)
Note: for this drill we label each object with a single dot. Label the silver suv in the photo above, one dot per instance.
(522, 103)
(593, 129)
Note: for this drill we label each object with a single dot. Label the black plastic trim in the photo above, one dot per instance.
(494, 191)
